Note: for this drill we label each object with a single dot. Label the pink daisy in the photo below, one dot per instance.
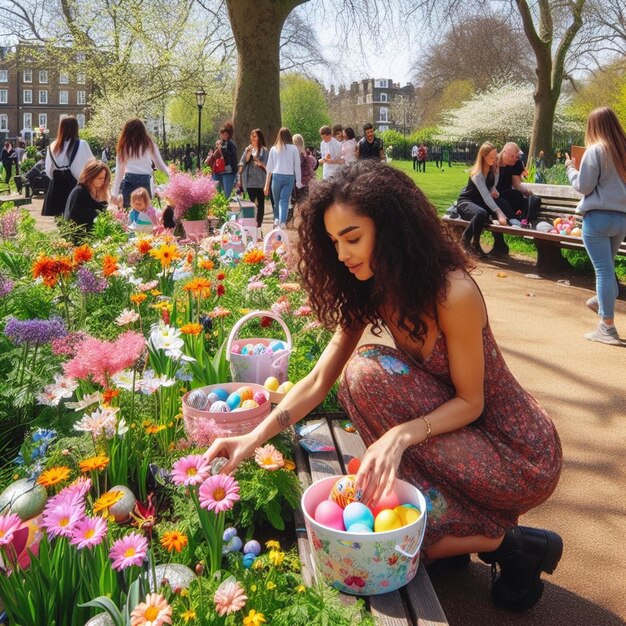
(229, 598)
(190, 470)
(129, 550)
(219, 493)
(89, 532)
(155, 611)
(9, 524)
(60, 520)
(269, 458)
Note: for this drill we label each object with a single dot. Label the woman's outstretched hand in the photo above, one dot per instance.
(235, 449)
(379, 467)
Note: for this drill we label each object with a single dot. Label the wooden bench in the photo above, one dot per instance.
(556, 201)
(416, 604)
(15, 198)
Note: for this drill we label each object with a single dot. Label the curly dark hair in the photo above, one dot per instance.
(412, 256)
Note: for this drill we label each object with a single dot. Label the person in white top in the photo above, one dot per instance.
(348, 146)
(135, 153)
(283, 170)
(414, 155)
(330, 149)
(68, 155)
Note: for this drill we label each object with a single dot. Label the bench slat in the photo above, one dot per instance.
(422, 601)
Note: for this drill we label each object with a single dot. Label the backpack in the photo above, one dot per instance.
(61, 185)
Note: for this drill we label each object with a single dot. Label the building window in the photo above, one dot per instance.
(43, 120)
(381, 82)
(4, 122)
(27, 76)
(43, 76)
(382, 97)
(28, 121)
(4, 96)
(80, 57)
(80, 118)
(81, 78)
(383, 114)
(63, 97)
(81, 97)
(383, 127)
(43, 96)
(27, 96)
(64, 78)
(4, 76)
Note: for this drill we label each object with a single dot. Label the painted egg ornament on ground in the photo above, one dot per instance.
(387, 501)
(248, 560)
(358, 513)
(329, 513)
(272, 383)
(407, 514)
(233, 401)
(259, 398)
(122, 508)
(387, 519)
(219, 407)
(252, 547)
(221, 394)
(344, 491)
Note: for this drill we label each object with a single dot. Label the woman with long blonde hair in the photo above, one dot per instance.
(602, 180)
(90, 196)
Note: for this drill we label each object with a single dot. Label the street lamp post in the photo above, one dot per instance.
(200, 97)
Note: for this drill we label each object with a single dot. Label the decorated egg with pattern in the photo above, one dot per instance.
(197, 399)
(219, 407)
(344, 491)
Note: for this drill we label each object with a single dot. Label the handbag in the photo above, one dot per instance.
(219, 165)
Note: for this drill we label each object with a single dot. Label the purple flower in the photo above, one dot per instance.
(34, 331)
(8, 224)
(6, 285)
(88, 282)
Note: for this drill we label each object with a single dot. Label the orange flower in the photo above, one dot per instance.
(54, 476)
(191, 329)
(106, 501)
(108, 395)
(199, 287)
(253, 256)
(93, 463)
(288, 287)
(206, 264)
(153, 429)
(109, 265)
(138, 298)
(166, 253)
(82, 254)
(173, 540)
(144, 246)
(189, 257)
(50, 268)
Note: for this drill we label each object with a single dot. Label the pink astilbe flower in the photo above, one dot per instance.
(269, 458)
(89, 532)
(129, 550)
(190, 470)
(219, 493)
(229, 598)
(99, 360)
(184, 191)
(9, 525)
(66, 346)
(203, 432)
(155, 611)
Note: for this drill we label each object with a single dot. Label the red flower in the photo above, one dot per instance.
(266, 321)
(144, 516)
(221, 276)
(165, 316)
(221, 290)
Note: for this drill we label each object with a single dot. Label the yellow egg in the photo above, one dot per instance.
(387, 519)
(407, 514)
(287, 386)
(272, 383)
(249, 404)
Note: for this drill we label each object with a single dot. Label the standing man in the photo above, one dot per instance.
(414, 156)
(330, 149)
(422, 155)
(370, 147)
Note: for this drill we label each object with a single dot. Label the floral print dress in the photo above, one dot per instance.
(476, 480)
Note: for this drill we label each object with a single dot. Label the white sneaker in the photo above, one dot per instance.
(283, 226)
(592, 303)
(604, 334)
(275, 223)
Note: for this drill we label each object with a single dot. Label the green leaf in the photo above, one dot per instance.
(106, 604)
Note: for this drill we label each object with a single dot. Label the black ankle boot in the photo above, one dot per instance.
(523, 554)
(441, 566)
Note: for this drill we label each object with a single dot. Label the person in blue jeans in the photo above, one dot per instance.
(226, 148)
(602, 180)
(283, 171)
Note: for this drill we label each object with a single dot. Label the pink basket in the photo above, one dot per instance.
(233, 237)
(257, 368)
(235, 423)
(274, 240)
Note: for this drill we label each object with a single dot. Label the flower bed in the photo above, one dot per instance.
(106, 503)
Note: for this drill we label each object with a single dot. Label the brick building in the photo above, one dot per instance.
(379, 101)
(38, 88)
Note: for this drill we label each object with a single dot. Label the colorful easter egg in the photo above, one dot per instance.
(219, 407)
(197, 399)
(248, 560)
(272, 383)
(245, 393)
(358, 513)
(344, 491)
(249, 404)
(353, 465)
(233, 401)
(235, 349)
(252, 547)
(122, 509)
(407, 514)
(221, 394)
(286, 387)
(247, 349)
(259, 349)
(276, 345)
(260, 398)
(387, 501)
(360, 528)
(329, 513)
(229, 533)
(387, 519)
(212, 397)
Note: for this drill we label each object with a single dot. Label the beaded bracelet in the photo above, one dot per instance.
(429, 432)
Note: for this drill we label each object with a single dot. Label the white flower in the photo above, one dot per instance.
(151, 383)
(124, 380)
(125, 271)
(88, 400)
(147, 286)
(122, 428)
(164, 337)
(62, 387)
(102, 421)
(127, 316)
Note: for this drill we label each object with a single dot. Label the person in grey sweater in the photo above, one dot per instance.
(602, 180)
(252, 172)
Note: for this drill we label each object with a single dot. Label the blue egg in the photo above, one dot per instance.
(360, 528)
(259, 349)
(252, 547)
(358, 513)
(275, 346)
(219, 407)
(229, 533)
(221, 394)
(411, 506)
(248, 560)
(233, 401)
(213, 397)
(234, 545)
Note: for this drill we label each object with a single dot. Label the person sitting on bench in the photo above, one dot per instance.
(36, 177)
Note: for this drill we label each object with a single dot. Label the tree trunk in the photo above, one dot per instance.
(256, 26)
(543, 125)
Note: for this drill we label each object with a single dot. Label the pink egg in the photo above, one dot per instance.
(259, 398)
(329, 513)
(235, 349)
(390, 501)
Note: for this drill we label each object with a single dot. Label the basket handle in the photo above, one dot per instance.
(248, 317)
(268, 238)
(239, 229)
(410, 555)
